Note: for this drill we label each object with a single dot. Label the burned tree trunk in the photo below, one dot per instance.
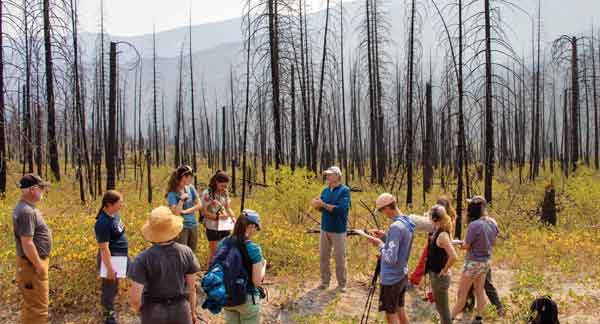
(428, 147)
(489, 113)
(112, 114)
(574, 105)
(549, 209)
(3, 157)
(52, 146)
(274, 51)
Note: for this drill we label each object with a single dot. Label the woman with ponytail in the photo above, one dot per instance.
(183, 200)
(110, 235)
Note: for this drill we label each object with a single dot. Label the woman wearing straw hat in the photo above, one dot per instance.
(164, 275)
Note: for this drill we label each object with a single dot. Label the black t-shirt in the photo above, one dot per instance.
(112, 230)
(162, 270)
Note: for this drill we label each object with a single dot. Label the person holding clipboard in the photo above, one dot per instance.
(112, 251)
(217, 216)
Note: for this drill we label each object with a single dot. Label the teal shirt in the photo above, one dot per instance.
(255, 255)
(189, 220)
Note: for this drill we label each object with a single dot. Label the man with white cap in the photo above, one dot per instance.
(334, 204)
(395, 246)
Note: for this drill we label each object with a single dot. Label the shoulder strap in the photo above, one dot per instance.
(245, 260)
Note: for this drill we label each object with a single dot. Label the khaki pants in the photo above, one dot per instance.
(337, 242)
(34, 289)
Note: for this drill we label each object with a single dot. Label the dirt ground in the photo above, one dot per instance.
(307, 304)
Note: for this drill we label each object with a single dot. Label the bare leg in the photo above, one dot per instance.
(480, 294)
(212, 247)
(402, 317)
(392, 318)
(461, 297)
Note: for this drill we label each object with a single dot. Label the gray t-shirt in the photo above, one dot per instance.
(162, 270)
(28, 221)
(481, 235)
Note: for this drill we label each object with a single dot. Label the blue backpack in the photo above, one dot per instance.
(228, 279)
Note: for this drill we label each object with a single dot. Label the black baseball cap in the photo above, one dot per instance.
(30, 180)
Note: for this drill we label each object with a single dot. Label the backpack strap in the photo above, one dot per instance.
(247, 265)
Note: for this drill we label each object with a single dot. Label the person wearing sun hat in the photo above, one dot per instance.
(334, 204)
(164, 275)
(33, 241)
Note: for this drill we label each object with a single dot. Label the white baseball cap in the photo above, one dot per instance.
(333, 170)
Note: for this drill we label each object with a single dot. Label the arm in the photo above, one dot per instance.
(136, 296)
(422, 223)
(107, 260)
(190, 280)
(32, 254)
(176, 205)
(443, 242)
(259, 271)
(389, 250)
(197, 206)
(342, 204)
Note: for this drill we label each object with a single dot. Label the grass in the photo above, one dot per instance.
(541, 258)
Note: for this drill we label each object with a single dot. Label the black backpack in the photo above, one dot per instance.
(543, 310)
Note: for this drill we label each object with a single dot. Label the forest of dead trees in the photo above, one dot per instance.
(303, 99)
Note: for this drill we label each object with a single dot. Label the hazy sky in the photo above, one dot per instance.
(134, 17)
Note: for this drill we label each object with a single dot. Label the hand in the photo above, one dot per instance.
(41, 271)
(223, 216)
(445, 273)
(184, 196)
(194, 317)
(378, 233)
(111, 275)
(375, 241)
(316, 203)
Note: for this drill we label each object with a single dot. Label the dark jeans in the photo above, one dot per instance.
(179, 312)
(108, 289)
(109, 292)
(490, 291)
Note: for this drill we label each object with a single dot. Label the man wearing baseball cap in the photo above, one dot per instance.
(395, 246)
(33, 242)
(334, 204)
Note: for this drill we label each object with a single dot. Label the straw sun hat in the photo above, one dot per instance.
(162, 225)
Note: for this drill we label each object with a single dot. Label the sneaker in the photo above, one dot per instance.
(341, 288)
(109, 317)
(477, 320)
(323, 286)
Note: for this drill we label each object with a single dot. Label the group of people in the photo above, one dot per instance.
(164, 275)
(395, 245)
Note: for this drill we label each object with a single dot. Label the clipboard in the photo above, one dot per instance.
(119, 264)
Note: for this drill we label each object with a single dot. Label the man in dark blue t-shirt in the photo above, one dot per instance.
(334, 204)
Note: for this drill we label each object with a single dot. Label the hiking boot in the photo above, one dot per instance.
(323, 286)
(477, 320)
(109, 317)
(341, 288)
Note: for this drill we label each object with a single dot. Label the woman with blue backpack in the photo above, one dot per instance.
(233, 281)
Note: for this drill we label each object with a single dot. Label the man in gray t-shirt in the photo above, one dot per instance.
(33, 241)
(28, 221)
